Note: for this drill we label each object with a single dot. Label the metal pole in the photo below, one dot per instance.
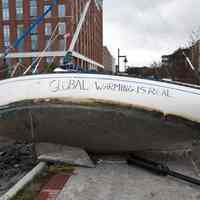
(159, 169)
(118, 60)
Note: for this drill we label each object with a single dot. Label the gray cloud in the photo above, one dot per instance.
(147, 29)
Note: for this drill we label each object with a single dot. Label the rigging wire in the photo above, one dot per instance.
(65, 49)
(15, 68)
(11, 67)
(39, 58)
(51, 40)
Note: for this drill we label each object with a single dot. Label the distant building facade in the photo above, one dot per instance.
(165, 60)
(195, 55)
(17, 15)
(177, 66)
(108, 61)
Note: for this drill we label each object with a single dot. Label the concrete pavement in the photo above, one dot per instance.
(123, 182)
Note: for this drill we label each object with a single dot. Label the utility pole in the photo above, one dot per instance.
(125, 61)
(118, 63)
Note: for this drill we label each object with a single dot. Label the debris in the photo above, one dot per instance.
(22, 183)
(16, 160)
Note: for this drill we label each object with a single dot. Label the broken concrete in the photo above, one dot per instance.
(55, 153)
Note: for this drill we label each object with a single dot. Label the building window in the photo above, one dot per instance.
(61, 28)
(33, 8)
(8, 61)
(61, 61)
(20, 60)
(6, 35)
(34, 42)
(19, 9)
(6, 15)
(20, 31)
(33, 63)
(46, 7)
(34, 30)
(48, 43)
(5, 4)
(61, 10)
(5, 10)
(34, 39)
(48, 29)
(61, 44)
(49, 60)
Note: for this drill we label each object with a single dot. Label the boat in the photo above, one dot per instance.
(99, 113)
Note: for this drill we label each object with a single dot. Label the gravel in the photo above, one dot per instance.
(16, 159)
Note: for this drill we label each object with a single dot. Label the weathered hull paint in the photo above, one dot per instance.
(99, 113)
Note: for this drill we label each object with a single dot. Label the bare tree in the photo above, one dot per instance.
(155, 64)
(194, 36)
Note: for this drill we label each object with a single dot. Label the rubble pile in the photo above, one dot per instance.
(15, 161)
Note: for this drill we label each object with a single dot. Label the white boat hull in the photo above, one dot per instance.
(100, 113)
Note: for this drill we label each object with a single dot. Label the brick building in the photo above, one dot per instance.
(195, 55)
(177, 67)
(108, 61)
(17, 15)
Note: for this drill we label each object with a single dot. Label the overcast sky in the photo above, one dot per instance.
(144, 30)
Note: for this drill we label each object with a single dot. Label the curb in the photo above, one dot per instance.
(24, 181)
